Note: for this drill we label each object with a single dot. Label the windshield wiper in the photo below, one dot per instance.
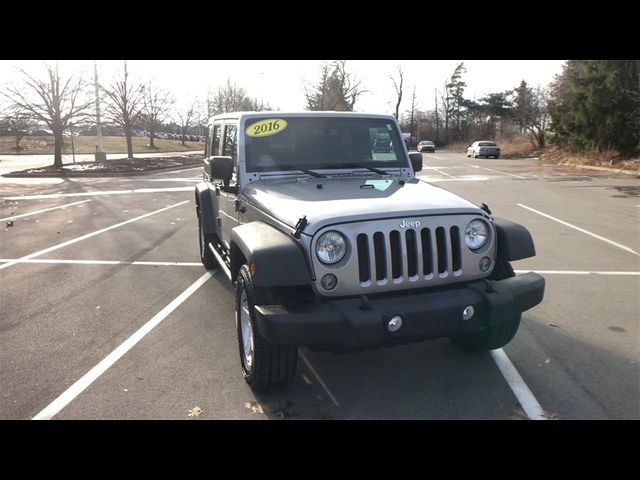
(356, 165)
(304, 170)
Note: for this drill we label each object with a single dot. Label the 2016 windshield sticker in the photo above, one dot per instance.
(266, 127)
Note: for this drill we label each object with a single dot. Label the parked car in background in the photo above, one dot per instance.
(426, 146)
(483, 149)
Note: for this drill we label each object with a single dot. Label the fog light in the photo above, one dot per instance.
(485, 264)
(468, 312)
(395, 323)
(329, 281)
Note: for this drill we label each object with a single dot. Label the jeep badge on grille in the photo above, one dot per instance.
(410, 224)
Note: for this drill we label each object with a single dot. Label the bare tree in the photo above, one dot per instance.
(397, 84)
(446, 110)
(54, 101)
(156, 105)
(349, 87)
(316, 95)
(125, 105)
(532, 113)
(233, 98)
(17, 122)
(337, 89)
(413, 109)
(185, 117)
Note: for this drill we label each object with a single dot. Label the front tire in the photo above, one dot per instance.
(497, 336)
(489, 339)
(265, 366)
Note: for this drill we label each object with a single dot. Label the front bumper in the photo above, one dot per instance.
(430, 313)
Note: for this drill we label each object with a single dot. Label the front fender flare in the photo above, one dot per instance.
(279, 260)
(204, 196)
(514, 240)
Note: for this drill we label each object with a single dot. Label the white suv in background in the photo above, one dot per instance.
(483, 149)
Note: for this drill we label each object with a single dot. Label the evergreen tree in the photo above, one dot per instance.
(595, 104)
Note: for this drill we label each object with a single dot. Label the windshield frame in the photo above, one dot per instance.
(400, 165)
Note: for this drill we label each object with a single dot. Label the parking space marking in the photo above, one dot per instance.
(102, 262)
(576, 272)
(520, 389)
(326, 389)
(587, 232)
(466, 178)
(497, 171)
(88, 378)
(101, 192)
(88, 235)
(442, 173)
(13, 217)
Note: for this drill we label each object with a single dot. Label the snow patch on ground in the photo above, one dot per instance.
(84, 168)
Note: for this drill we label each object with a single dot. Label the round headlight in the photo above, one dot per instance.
(476, 234)
(331, 247)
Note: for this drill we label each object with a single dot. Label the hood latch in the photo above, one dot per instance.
(300, 226)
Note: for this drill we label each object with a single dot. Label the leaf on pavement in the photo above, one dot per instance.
(195, 412)
(550, 416)
(553, 325)
(255, 407)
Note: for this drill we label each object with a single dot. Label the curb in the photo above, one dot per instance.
(97, 174)
(593, 167)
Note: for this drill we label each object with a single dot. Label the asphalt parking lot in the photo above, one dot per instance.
(108, 314)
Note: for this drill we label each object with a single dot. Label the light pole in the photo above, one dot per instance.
(261, 90)
(100, 155)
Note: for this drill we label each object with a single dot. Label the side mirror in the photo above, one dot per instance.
(219, 168)
(416, 161)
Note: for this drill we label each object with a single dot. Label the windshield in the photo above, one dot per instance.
(281, 143)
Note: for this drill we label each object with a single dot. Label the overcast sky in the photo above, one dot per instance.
(281, 82)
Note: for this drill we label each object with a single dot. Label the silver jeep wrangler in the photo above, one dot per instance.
(333, 243)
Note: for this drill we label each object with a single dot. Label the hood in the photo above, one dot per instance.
(341, 200)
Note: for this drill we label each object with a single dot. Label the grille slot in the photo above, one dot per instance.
(441, 246)
(396, 254)
(364, 267)
(455, 249)
(380, 255)
(412, 253)
(427, 251)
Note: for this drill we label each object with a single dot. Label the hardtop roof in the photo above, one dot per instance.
(244, 115)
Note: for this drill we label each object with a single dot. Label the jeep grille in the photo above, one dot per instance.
(409, 254)
(384, 256)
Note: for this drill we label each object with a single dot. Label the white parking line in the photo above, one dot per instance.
(576, 272)
(326, 389)
(442, 173)
(466, 178)
(96, 193)
(88, 378)
(587, 232)
(42, 211)
(88, 235)
(102, 262)
(528, 402)
(497, 171)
